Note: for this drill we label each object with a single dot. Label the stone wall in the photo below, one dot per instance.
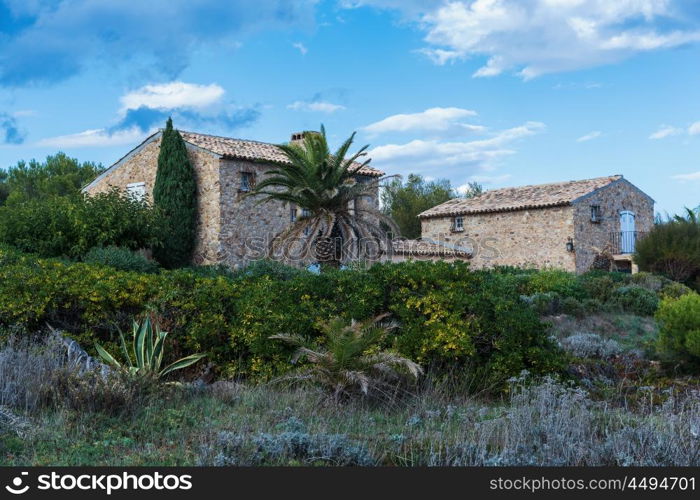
(232, 229)
(591, 238)
(141, 166)
(525, 238)
(247, 226)
(396, 258)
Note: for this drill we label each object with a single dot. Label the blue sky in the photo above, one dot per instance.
(504, 92)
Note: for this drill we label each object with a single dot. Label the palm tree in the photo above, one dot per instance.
(335, 226)
(692, 216)
(348, 359)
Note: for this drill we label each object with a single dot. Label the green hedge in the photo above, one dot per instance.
(447, 314)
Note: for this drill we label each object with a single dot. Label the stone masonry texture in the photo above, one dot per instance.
(538, 237)
(232, 228)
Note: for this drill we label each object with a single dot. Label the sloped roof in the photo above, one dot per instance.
(427, 247)
(521, 198)
(229, 147)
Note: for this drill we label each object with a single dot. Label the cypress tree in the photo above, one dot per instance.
(175, 195)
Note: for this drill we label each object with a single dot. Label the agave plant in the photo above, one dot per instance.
(145, 355)
(348, 360)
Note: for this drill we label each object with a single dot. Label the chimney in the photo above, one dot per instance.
(298, 137)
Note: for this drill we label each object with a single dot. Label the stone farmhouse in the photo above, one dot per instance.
(575, 225)
(232, 229)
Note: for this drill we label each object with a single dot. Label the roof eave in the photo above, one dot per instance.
(425, 215)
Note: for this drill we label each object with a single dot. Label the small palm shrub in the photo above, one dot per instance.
(145, 355)
(679, 334)
(349, 360)
(121, 258)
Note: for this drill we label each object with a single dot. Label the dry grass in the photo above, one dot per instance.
(54, 412)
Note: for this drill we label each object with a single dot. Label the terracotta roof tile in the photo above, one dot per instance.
(248, 150)
(520, 198)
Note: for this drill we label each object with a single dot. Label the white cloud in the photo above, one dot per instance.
(146, 109)
(461, 158)
(589, 136)
(693, 176)
(300, 47)
(319, 106)
(485, 179)
(172, 95)
(665, 131)
(694, 129)
(432, 120)
(93, 138)
(535, 37)
(21, 113)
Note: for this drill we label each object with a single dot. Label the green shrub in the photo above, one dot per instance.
(672, 249)
(635, 299)
(550, 303)
(270, 268)
(679, 320)
(674, 290)
(70, 226)
(545, 303)
(592, 306)
(572, 307)
(651, 282)
(211, 271)
(447, 314)
(600, 285)
(120, 258)
(564, 283)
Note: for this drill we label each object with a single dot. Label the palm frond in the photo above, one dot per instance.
(349, 359)
(326, 185)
